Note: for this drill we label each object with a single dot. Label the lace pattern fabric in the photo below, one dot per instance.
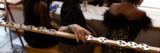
(119, 28)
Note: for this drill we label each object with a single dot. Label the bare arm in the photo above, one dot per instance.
(79, 31)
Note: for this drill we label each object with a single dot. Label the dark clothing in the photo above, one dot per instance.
(131, 28)
(119, 28)
(97, 2)
(71, 14)
(35, 39)
(110, 2)
(29, 16)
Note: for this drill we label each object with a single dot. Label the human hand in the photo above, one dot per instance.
(80, 32)
(51, 13)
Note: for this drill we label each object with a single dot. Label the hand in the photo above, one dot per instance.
(80, 32)
(51, 13)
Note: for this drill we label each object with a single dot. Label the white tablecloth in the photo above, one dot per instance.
(97, 12)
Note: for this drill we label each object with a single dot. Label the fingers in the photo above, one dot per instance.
(80, 33)
(87, 32)
(83, 34)
(76, 33)
(77, 36)
(83, 38)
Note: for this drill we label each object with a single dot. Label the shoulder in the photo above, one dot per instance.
(115, 8)
(140, 13)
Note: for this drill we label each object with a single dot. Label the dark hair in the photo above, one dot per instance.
(30, 16)
(110, 2)
(135, 2)
(33, 39)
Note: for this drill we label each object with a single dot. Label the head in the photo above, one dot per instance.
(134, 2)
(30, 10)
(110, 2)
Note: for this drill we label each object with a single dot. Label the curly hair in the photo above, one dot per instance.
(135, 2)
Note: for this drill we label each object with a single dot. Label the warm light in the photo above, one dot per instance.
(90, 10)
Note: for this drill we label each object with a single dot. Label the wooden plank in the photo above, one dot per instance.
(156, 28)
(18, 7)
(72, 36)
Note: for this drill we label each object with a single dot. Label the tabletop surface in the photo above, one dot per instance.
(2, 12)
(12, 2)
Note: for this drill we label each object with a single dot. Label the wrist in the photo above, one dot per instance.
(68, 29)
(71, 28)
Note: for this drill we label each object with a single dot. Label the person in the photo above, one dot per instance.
(73, 21)
(36, 12)
(124, 21)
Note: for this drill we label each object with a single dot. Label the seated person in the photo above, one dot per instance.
(36, 13)
(124, 21)
(72, 20)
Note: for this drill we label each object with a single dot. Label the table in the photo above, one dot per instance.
(2, 12)
(11, 2)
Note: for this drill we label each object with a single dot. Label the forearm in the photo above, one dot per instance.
(63, 29)
(68, 28)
